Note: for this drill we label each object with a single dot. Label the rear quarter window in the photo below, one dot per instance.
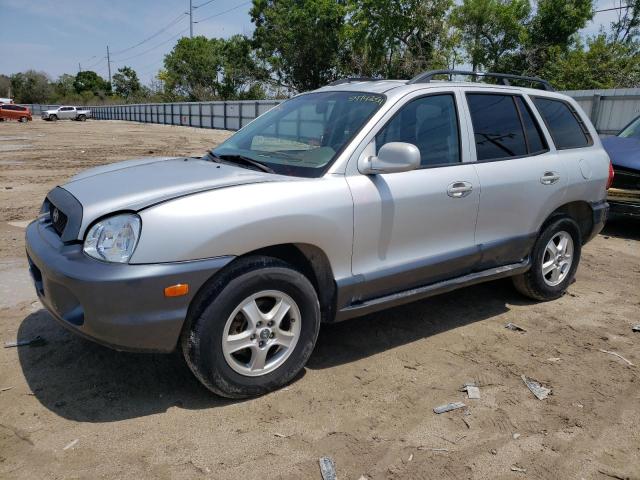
(564, 123)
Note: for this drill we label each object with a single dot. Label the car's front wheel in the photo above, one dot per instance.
(554, 261)
(252, 329)
(53, 118)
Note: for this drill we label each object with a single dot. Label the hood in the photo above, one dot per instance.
(624, 152)
(136, 184)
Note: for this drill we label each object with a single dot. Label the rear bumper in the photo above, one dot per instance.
(600, 214)
(624, 201)
(118, 305)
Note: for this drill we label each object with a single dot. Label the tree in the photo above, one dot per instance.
(626, 28)
(64, 86)
(301, 41)
(490, 29)
(192, 68)
(396, 38)
(241, 74)
(31, 87)
(89, 81)
(125, 82)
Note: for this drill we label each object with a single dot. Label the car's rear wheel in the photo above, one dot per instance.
(82, 118)
(554, 261)
(252, 329)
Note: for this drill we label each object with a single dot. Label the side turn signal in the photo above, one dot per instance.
(176, 290)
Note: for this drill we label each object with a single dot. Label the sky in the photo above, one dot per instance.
(55, 36)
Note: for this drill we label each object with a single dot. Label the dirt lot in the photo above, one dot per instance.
(72, 409)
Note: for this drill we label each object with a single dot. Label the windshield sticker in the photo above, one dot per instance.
(367, 98)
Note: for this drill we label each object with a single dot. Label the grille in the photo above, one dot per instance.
(58, 219)
(626, 180)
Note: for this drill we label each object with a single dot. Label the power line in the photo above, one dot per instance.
(154, 47)
(222, 13)
(613, 8)
(203, 4)
(151, 37)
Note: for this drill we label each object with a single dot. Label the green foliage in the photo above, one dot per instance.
(208, 69)
(300, 40)
(396, 38)
(30, 87)
(5, 86)
(490, 29)
(89, 81)
(598, 64)
(125, 82)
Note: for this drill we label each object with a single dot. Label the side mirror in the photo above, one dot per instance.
(392, 157)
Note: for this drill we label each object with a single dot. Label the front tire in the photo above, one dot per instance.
(23, 119)
(554, 261)
(252, 329)
(53, 118)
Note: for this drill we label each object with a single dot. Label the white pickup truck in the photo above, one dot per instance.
(66, 113)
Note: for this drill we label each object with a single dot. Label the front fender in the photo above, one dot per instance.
(240, 219)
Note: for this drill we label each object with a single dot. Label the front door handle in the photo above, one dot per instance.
(549, 178)
(459, 189)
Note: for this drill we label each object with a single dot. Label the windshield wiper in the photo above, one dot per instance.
(242, 160)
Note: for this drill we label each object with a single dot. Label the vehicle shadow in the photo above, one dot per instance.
(358, 338)
(622, 227)
(82, 381)
(86, 382)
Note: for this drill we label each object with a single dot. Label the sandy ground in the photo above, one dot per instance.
(72, 409)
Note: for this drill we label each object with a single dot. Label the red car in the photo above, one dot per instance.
(9, 111)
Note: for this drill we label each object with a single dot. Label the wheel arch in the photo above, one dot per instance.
(579, 211)
(309, 260)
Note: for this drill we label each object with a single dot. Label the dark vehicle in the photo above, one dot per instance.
(624, 151)
(14, 112)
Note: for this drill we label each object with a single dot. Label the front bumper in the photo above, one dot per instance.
(121, 306)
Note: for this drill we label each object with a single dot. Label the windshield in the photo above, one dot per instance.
(632, 130)
(303, 136)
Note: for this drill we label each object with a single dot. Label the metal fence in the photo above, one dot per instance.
(609, 110)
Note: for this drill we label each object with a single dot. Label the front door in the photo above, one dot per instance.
(415, 228)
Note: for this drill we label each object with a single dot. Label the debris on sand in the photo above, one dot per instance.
(327, 468)
(71, 444)
(636, 328)
(516, 468)
(34, 342)
(514, 327)
(553, 359)
(448, 407)
(538, 390)
(473, 392)
(617, 355)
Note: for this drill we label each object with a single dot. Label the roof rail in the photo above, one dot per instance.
(342, 81)
(503, 78)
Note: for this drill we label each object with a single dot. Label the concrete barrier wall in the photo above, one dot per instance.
(609, 110)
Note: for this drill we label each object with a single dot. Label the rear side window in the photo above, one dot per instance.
(497, 128)
(564, 124)
(534, 138)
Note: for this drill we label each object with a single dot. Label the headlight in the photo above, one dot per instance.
(113, 239)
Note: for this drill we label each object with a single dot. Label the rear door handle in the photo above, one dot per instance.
(549, 178)
(459, 189)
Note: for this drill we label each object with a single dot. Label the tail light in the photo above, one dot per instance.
(611, 175)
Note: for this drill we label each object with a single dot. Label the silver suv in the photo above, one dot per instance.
(359, 196)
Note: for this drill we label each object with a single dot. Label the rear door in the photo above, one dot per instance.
(522, 177)
(415, 228)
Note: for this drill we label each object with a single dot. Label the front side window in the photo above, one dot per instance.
(431, 124)
(632, 130)
(563, 122)
(303, 136)
(497, 129)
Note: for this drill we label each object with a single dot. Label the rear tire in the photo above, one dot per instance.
(554, 261)
(252, 329)
(82, 118)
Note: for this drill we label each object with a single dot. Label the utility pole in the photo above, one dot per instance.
(190, 18)
(109, 64)
(79, 67)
